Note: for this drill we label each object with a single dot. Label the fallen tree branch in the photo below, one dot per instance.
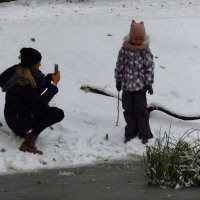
(103, 91)
(96, 90)
(185, 118)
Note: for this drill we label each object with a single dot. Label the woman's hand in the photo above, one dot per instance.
(56, 77)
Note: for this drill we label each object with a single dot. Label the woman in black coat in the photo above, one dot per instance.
(28, 92)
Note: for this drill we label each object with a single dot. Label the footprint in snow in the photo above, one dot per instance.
(175, 94)
(89, 123)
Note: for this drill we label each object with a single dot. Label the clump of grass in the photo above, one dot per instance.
(3, 150)
(33, 39)
(174, 163)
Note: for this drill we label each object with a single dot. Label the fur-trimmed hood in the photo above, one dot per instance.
(146, 41)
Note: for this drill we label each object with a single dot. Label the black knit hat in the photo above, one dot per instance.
(29, 57)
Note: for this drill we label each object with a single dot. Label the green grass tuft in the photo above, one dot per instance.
(174, 163)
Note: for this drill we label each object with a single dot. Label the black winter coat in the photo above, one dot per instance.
(22, 100)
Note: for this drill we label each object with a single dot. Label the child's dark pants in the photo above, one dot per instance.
(136, 115)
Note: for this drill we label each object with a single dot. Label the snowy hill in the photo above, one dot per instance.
(84, 38)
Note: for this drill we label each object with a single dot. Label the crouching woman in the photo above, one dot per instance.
(28, 92)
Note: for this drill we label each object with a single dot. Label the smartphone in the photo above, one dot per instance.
(55, 68)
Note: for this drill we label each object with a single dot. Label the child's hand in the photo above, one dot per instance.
(119, 85)
(149, 89)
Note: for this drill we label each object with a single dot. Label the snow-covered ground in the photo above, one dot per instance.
(76, 36)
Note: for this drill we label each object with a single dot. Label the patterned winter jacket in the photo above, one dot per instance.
(134, 69)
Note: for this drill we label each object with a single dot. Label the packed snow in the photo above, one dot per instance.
(84, 39)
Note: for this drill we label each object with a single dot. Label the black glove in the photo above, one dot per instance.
(149, 89)
(118, 85)
(48, 78)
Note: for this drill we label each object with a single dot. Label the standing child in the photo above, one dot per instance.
(134, 74)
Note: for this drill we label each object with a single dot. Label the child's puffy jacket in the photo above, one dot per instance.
(134, 69)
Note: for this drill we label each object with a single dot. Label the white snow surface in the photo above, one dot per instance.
(84, 39)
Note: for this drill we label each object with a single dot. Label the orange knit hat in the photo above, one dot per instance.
(137, 30)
